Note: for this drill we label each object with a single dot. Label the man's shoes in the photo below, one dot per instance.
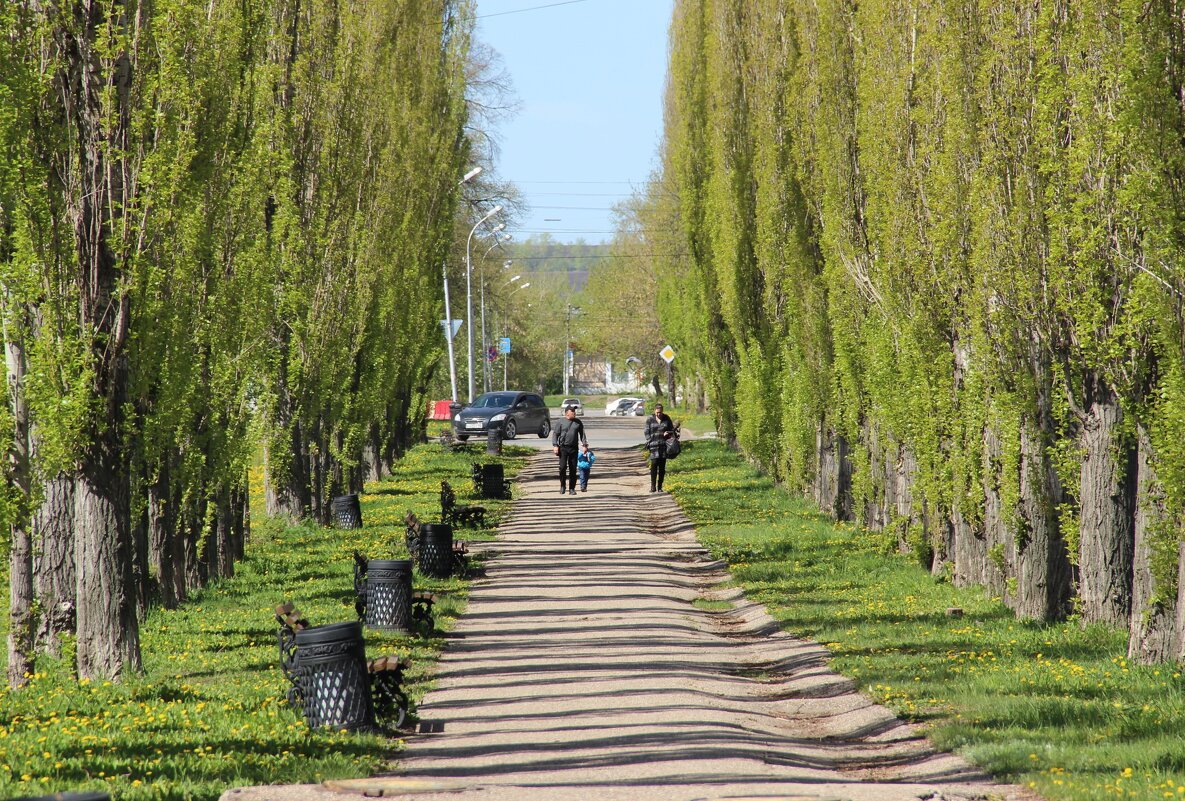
(652, 489)
(562, 490)
(572, 492)
(584, 489)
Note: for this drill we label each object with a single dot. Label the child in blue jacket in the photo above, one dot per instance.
(584, 463)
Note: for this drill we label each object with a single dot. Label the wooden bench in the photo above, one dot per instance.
(459, 516)
(411, 534)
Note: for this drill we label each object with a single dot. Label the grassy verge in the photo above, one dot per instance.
(208, 711)
(1055, 707)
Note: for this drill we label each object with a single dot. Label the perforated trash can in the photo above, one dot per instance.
(436, 550)
(494, 442)
(386, 594)
(347, 511)
(334, 684)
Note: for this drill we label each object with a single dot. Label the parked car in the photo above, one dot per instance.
(636, 409)
(573, 403)
(617, 407)
(511, 412)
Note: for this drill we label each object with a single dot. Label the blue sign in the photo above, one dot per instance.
(504, 345)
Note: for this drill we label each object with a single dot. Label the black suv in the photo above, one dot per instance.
(512, 412)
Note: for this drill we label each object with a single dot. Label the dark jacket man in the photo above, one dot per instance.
(566, 439)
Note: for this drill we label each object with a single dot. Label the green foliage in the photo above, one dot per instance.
(941, 232)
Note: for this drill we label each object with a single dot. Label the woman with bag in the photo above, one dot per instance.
(659, 429)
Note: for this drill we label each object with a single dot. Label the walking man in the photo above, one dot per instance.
(566, 439)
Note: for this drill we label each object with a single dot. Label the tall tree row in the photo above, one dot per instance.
(928, 268)
(217, 220)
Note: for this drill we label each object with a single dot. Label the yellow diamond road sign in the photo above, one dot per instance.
(668, 354)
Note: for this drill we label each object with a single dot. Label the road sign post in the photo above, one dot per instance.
(668, 355)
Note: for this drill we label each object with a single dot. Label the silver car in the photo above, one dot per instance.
(620, 406)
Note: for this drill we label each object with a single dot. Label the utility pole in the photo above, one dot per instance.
(568, 359)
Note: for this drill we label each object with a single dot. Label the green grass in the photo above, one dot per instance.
(1055, 707)
(208, 712)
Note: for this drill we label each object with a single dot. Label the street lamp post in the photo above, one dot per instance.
(469, 292)
(448, 314)
(506, 356)
(485, 356)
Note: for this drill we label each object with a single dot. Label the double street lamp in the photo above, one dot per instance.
(469, 291)
(485, 357)
(448, 314)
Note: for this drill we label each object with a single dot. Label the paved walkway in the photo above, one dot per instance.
(582, 670)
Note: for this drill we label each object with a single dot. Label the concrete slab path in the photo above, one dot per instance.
(583, 670)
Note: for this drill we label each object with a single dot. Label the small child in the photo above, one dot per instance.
(584, 463)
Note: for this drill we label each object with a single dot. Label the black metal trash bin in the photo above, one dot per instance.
(493, 480)
(332, 680)
(347, 511)
(436, 550)
(384, 593)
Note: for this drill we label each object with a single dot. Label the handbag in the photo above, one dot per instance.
(673, 447)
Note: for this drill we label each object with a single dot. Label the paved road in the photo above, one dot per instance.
(584, 670)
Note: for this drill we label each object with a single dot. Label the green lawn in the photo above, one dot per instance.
(1055, 707)
(209, 712)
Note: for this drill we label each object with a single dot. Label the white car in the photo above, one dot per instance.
(573, 403)
(619, 406)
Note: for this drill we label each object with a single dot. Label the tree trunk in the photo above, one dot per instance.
(1152, 637)
(108, 638)
(94, 89)
(998, 548)
(878, 506)
(54, 576)
(162, 530)
(1106, 501)
(1036, 548)
(224, 534)
(827, 447)
(241, 519)
(287, 478)
(21, 621)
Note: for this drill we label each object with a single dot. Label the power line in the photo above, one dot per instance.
(578, 194)
(532, 8)
(587, 183)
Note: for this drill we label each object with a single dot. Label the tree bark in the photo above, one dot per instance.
(54, 576)
(831, 454)
(877, 507)
(20, 556)
(108, 637)
(1152, 635)
(162, 530)
(287, 484)
(997, 551)
(1037, 548)
(224, 533)
(1106, 503)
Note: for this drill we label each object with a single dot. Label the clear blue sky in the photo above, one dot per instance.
(589, 76)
